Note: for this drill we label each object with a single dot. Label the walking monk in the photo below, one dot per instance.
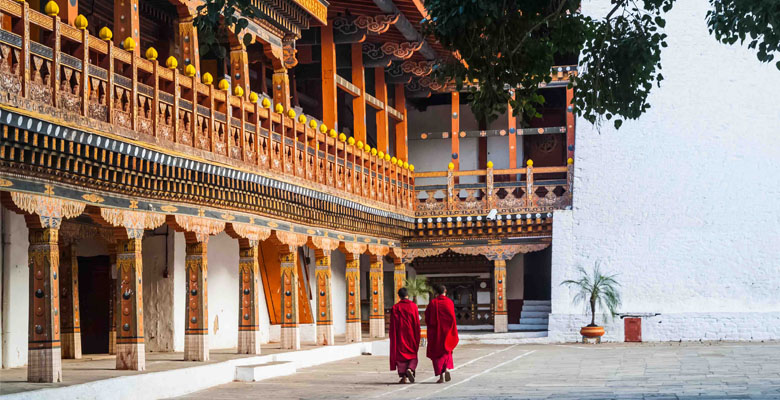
(442, 333)
(404, 337)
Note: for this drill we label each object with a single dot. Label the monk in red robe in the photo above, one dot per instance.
(404, 337)
(442, 333)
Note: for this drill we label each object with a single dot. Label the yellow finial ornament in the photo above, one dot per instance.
(360, 144)
(323, 128)
(411, 167)
(52, 9)
(451, 166)
(253, 97)
(223, 84)
(128, 44)
(291, 113)
(380, 154)
(351, 141)
(490, 164)
(394, 160)
(238, 91)
(279, 108)
(80, 22)
(207, 79)
(171, 62)
(387, 156)
(313, 124)
(302, 119)
(342, 137)
(373, 152)
(367, 148)
(530, 162)
(406, 165)
(570, 161)
(151, 53)
(332, 133)
(106, 35)
(266, 103)
(189, 70)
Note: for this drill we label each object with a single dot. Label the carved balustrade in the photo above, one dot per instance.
(88, 81)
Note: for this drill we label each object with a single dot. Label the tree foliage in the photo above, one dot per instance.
(508, 44)
(218, 19)
(597, 291)
(418, 286)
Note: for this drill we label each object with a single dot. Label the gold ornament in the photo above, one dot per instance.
(207, 79)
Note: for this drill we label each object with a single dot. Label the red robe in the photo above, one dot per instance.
(442, 328)
(404, 332)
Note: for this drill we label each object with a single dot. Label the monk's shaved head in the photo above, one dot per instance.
(403, 293)
(440, 289)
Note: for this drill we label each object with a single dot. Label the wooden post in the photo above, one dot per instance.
(353, 333)
(113, 304)
(359, 102)
(455, 129)
(186, 47)
(570, 122)
(500, 317)
(130, 349)
(290, 335)
(43, 349)
(382, 130)
(69, 10)
(377, 305)
(322, 274)
(249, 298)
(196, 331)
(69, 303)
(281, 82)
(329, 91)
(399, 277)
(401, 147)
(127, 23)
(239, 69)
(512, 135)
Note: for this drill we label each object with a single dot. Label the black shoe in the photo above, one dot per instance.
(410, 375)
(447, 376)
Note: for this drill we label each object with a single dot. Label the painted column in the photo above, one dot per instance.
(44, 362)
(329, 92)
(281, 89)
(399, 277)
(455, 128)
(113, 304)
(127, 23)
(322, 274)
(376, 316)
(401, 149)
(186, 47)
(196, 331)
(382, 131)
(248, 298)
(69, 303)
(359, 102)
(239, 68)
(500, 318)
(69, 9)
(353, 332)
(130, 349)
(290, 335)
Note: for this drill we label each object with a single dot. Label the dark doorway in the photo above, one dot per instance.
(94, 283)
(538, 265)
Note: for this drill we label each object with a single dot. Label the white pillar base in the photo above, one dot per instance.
(196, 348)
(354, 332)
(249, 342)
(376, 328)
(131, 356)
(44, 365)
(325, 335)
(501, 323)
(291, 338)
(71, 345)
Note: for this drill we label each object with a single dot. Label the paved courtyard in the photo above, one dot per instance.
(653, 371)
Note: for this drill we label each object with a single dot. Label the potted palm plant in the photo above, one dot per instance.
(596, 290)
(417, 286)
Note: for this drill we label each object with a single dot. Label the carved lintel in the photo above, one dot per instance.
(500, 252)
(325, 244)
(289, 53)
(378, 250)
(200, 227)
(50, 210)
(291, 239)
(355, 248)
(376, 24)
(255, 234)
(403, 50)
(418, 68)
(135, 222)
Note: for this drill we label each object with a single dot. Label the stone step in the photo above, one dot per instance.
(537, 302)
(259, 372)
(534, 314)
(534, 321)
(531, 327)
(536, 308)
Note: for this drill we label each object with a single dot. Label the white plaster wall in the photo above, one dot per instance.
(682, 203)
(223, 291)
(514, 277)
(158, 294)
(338, 269)
(15, 282)
(179, 276)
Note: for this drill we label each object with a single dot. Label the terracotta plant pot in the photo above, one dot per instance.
(592, 331)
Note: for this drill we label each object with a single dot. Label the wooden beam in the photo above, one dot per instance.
(239, 68)
(127, 23)
(512, 121)
(329, 95)
(455, 127)
(401, 149)
(382, 131)
(359, 102)
(186, 47)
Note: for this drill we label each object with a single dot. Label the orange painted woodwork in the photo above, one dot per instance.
(271, 273)
(401, 148)
(44, 256)
(455, 128)
(382, 131)
(187, 43)
(359, 102)
(239, 68)
(569, 123)
(69, 10)
(127, 23)
(329, 99)
(633, 329)
(499, 275)
(512, 136)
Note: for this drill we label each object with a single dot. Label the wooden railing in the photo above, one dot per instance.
(506, 190)
(64, 72)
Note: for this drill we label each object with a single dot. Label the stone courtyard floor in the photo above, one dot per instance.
(606, 371)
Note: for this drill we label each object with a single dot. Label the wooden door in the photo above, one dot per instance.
(633, 329)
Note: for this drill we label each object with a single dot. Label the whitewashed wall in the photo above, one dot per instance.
(16, 288)
(682, 203)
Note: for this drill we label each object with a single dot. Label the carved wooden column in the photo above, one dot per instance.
(130, 348)
(288, 267)
(69, 9)
(500, 318)
(353, 332)
(239, 67)
(43, 349)
(323, 276)
(329, 90)
(399, 278)
(248, 298)
(127, 23)
(44, 215)
(113, 305)
(281, 89)
(359, 101)
(186, 47)
(69, 303)
(196, 331)
(376, 315)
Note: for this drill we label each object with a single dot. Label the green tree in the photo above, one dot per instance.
(417, 286)
(596, 290)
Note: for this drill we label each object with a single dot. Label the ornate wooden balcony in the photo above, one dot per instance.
(66, 75)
